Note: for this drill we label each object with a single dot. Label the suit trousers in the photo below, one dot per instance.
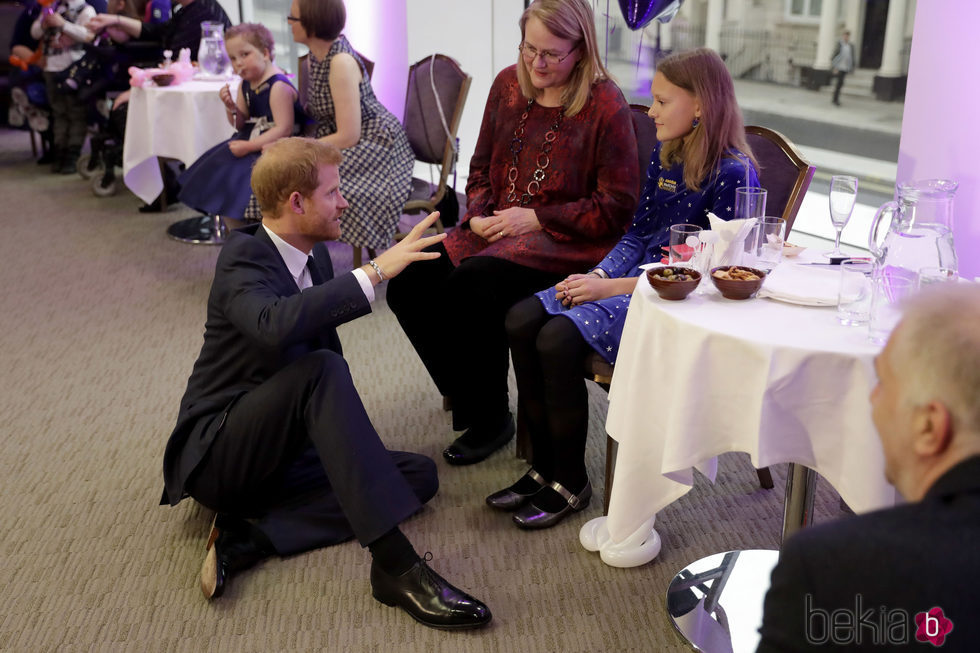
(454, 316)
(299, 455)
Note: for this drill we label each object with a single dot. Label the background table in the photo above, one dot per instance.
(708, 375)
(180, 122)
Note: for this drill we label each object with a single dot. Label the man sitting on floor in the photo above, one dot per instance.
(911, 573)
(271, 432)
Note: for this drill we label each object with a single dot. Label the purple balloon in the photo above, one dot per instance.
(640, 12)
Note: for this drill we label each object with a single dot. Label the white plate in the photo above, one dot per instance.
(206, 77)
(795, 300)
(792, 250)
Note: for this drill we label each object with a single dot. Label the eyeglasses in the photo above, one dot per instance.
(292, 19)
(530, 53)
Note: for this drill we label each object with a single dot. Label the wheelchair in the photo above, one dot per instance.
(100, 77)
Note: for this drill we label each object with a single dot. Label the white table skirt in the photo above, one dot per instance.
(180, 122)
(707, 375)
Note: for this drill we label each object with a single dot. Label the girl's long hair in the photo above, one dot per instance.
(719, 130)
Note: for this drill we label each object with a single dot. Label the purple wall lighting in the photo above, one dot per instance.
(940, 132)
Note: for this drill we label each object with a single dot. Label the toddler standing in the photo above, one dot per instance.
(61, 30)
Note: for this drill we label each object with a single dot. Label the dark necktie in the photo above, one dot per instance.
(314, 272)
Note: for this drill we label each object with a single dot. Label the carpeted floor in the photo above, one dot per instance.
(101, 317)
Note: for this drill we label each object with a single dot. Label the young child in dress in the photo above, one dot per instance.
(267, 108)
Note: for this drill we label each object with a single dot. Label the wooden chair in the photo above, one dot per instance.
(437, 90)
(786, 175)
(783, 172)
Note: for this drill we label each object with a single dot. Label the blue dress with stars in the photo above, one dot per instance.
(665, 201)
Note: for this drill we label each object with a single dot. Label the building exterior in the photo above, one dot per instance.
(782, 41)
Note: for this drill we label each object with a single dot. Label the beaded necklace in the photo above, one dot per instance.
(543, 160)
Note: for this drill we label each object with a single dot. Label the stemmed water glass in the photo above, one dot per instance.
(843, 193)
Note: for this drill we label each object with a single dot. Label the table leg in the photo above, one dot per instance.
(200, 230)
(801, 484)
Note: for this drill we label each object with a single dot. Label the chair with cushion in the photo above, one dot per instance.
(437, 90)
(786, 175)
(782, 171)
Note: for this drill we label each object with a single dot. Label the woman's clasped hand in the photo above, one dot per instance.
(514, 221)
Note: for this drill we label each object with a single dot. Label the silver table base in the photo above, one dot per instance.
(199, 230)
(715, 603)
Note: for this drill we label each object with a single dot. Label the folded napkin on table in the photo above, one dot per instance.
(801, 284)
(730, 245)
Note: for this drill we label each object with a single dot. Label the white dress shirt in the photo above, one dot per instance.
(295, 261)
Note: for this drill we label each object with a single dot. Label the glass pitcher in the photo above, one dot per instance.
(920, 229)
(211, 54)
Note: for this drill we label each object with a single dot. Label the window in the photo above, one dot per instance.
(804, 8)
(272, 14)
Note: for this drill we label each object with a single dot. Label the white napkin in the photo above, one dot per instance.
(731, 240)
(802, 284)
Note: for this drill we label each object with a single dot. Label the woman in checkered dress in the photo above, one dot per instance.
(376, 174)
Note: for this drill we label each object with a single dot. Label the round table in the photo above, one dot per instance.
(179, 122)
(704, 376)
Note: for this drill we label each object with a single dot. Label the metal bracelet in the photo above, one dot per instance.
(377, 268)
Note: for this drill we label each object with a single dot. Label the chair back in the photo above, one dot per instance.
(783, 172)
(646, 138)
(437, 90)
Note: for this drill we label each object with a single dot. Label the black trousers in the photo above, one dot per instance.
(68, 122)
(840, 74)
(299, 455)
(552, 400)
(454, 317)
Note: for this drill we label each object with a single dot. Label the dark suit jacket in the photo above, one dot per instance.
(908, 559)
(257, 323)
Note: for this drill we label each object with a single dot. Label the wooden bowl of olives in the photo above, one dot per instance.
(673, 282)
(737, 281)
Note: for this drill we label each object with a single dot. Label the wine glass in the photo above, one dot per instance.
(843, 193)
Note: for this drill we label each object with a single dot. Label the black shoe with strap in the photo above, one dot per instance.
(531, 517)
(428, 597)
(511, 498)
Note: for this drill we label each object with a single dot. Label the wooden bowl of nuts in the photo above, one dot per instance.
(164, 79)
(673, 282)
(737, 281)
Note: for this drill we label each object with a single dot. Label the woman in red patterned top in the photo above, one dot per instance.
(552, 186)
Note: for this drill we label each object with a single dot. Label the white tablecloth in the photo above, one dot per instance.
(707, 375)
(180, 122)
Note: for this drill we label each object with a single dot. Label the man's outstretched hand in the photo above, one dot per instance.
(409, 250)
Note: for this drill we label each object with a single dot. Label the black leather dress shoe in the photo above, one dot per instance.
(230, 549)
(510, 500)
(531, 517)
(428, 597)
(463, 451)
